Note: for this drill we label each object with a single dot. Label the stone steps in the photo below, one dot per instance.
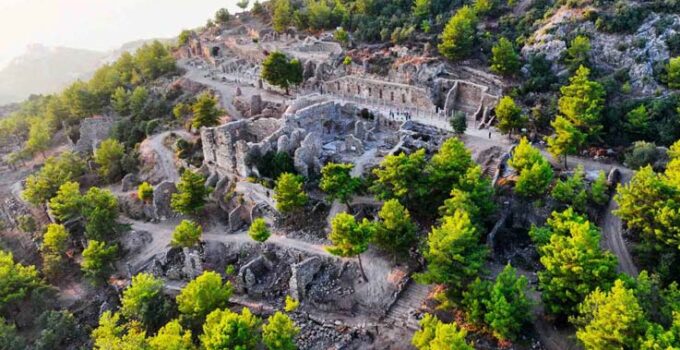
(409, 303)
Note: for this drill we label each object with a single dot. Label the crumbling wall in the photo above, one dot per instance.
(392, 94)
(92, 132)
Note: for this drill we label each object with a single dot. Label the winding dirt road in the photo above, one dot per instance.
(164, 157)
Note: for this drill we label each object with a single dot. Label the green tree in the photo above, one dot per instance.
(509, 115)
(582, 101)
(509, 308)
(55, 239)
(120, 101)
(577, 53)
(181, 110)
(191, 194)
(187, 234)
(484, 6)
(567, 139)
(350, 238)
(435, 335)
(448, 166)
(9, 337)
(259, 231)
(421, 9)
(673, 70)
(59, 329)
(206, 112)
(17, 281)
(222, 16)
(574, 266)
(281, 15)
(454, 255)
(637, 120)
(184, 36)
(475, 300)
(108, 157)
(243, 4)
(289, 193)
(535, 172)
(224, 329)
(459, 35)
(504, 59)
(112, 334)
(97, 259)
(44, 185)
(100, 211)
(400, 176)
(138, 100)
(395, 231)
(279, 332)
(145, 192)
(204, 294)
(599, 189)
(338, 183)
(144, 301)
(172, 336)
(279, 70)
(458, 122)
(610, 320)
(572, 191)
(39, 137)
(68, 202)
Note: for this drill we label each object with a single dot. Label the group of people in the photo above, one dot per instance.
(405, 114)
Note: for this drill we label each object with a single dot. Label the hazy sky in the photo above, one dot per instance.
(97, 24)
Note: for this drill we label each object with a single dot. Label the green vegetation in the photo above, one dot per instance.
(203, 295)
(509, 115)
(108, 157)
(459, 34)
(258, 230)
(186, 235)
(434, 334)
(279, 332)
(350, 238)
(145, 192)
(281, 71)
(205, 111)
(535, 172)
(505, 60)
(289, 193)
(395, 232)
(100, 211)
(43, 185)
(97, 259)
(191, 194)
(338, 183)
(144, 301)
(68, 202)
(224, 329)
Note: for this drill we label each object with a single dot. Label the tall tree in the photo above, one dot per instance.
(567, 139)
(68, 202)
(138, 100)
(203, 295)
(120, 101)
(574, 265)
(43, 185)
(509, 308)
(282, 14)
(113, 334)
(504, 59)
(108, 157)
(17, 281)
(459, 35)
(186, 234)
(191, 194)
(350, 238)
(535, 172)
(401, 176)
(172, 336)
(39, 137)
(224, 329)
(610, 320)
(454, 254)
(100, 210)
(582, 101)
(279, 332)
(436, 335)
(509, 116)
(338, 183)
(289, 193)
(395, 231)
(280, 70)
(206, 112)
(258, 230)
(97, 259)
(144, 301)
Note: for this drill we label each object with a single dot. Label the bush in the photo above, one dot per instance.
(145, 192)
(458, 122)
(642, 154)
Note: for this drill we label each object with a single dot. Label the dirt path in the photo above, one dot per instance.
(164, 157)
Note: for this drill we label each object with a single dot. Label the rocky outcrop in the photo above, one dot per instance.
(161, 200)
(302, 274)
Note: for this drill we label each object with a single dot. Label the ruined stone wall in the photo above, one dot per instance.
(473, 99)
(392, 94)
(92, 132)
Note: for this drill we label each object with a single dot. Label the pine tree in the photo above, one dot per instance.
(187, 234)
(567, 139)
(504, 60)
(582, 101)
(224, 329)
(338, 183)
(509, 308)
(395, 231)
(289, 193)
(509, 116)
(279, 332)
(435, 335)
(459, 35)
(191, 194)
(205, 110)
(258, 230)
(350, 238)
(203, 295)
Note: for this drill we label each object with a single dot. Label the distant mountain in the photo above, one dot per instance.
(44, 70)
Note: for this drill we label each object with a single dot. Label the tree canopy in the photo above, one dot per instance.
(280, 70)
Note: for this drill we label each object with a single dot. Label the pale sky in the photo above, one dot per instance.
(97, 24)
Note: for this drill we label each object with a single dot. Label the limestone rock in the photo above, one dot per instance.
(302, 274)
(161, 200)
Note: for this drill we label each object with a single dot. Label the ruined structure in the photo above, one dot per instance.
(92, 132)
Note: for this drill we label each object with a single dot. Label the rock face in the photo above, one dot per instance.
(161, 200)
(129, 182)
(306, 159)
(303, 274)
(93, 131)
